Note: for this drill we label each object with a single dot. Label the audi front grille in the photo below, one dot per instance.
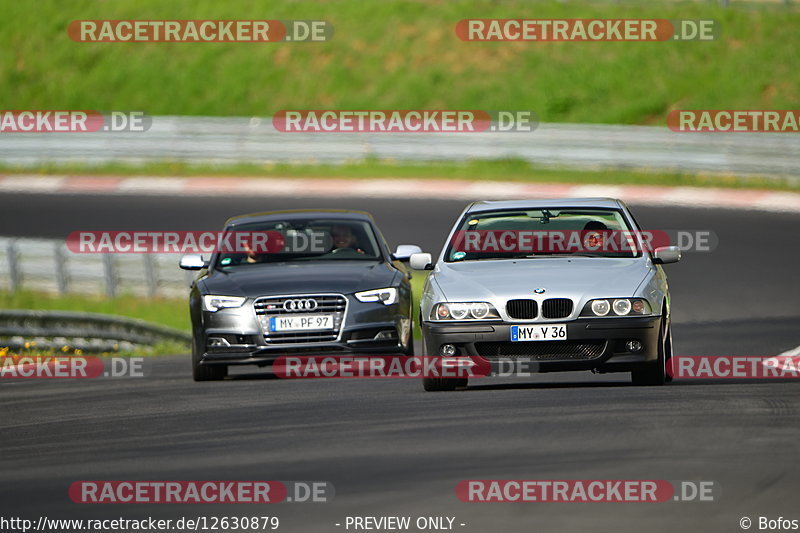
(267, 307)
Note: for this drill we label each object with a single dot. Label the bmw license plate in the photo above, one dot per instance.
(548, 332)
(300, 322)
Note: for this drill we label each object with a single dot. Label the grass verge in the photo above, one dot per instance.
(402, 55)
(173, 313)
(478, 170)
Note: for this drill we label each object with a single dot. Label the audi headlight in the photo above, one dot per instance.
(616, 307)
(385, 296)
(215, 303)
(463, 311)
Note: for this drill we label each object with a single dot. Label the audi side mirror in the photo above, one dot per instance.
(405, 251)
(193, 262)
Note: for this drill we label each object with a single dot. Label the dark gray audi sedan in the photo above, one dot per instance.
(333, 287)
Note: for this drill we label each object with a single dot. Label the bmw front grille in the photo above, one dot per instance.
(525, 309)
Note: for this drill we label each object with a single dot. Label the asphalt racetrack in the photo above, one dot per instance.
(391, 449)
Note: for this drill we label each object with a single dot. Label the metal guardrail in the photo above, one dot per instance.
(47, 265)
(88, 332)
(227, 140)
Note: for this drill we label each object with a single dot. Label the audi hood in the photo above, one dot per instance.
(338, 276)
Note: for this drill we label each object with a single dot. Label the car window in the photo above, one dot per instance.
(305, 240)
(542, 233)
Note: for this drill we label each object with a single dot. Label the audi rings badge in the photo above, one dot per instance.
(296, 305)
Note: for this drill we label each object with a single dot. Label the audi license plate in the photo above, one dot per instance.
(300, 322)
(549, 332)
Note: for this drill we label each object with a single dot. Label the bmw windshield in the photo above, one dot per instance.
(547, 232)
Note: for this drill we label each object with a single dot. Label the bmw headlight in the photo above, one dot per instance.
(214, 303)
(621, 307)
(600, 307)
(386, 296)
(463, 311)
(616, 307)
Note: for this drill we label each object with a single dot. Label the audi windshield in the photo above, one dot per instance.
(302, 240)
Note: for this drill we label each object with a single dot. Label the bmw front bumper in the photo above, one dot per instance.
(592, 344)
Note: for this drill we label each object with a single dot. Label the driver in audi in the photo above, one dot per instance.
(344, 239)
(341, 235)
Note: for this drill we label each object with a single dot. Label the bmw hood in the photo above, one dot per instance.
(300, 278)
(575, 277)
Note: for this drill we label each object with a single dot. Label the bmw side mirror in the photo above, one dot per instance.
(666, 254)
(421, 261)
(193, 262)
(405, 251)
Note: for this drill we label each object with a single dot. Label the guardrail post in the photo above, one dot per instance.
(110, 275)
(15, 276)
(151, 274)
(62, 276)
